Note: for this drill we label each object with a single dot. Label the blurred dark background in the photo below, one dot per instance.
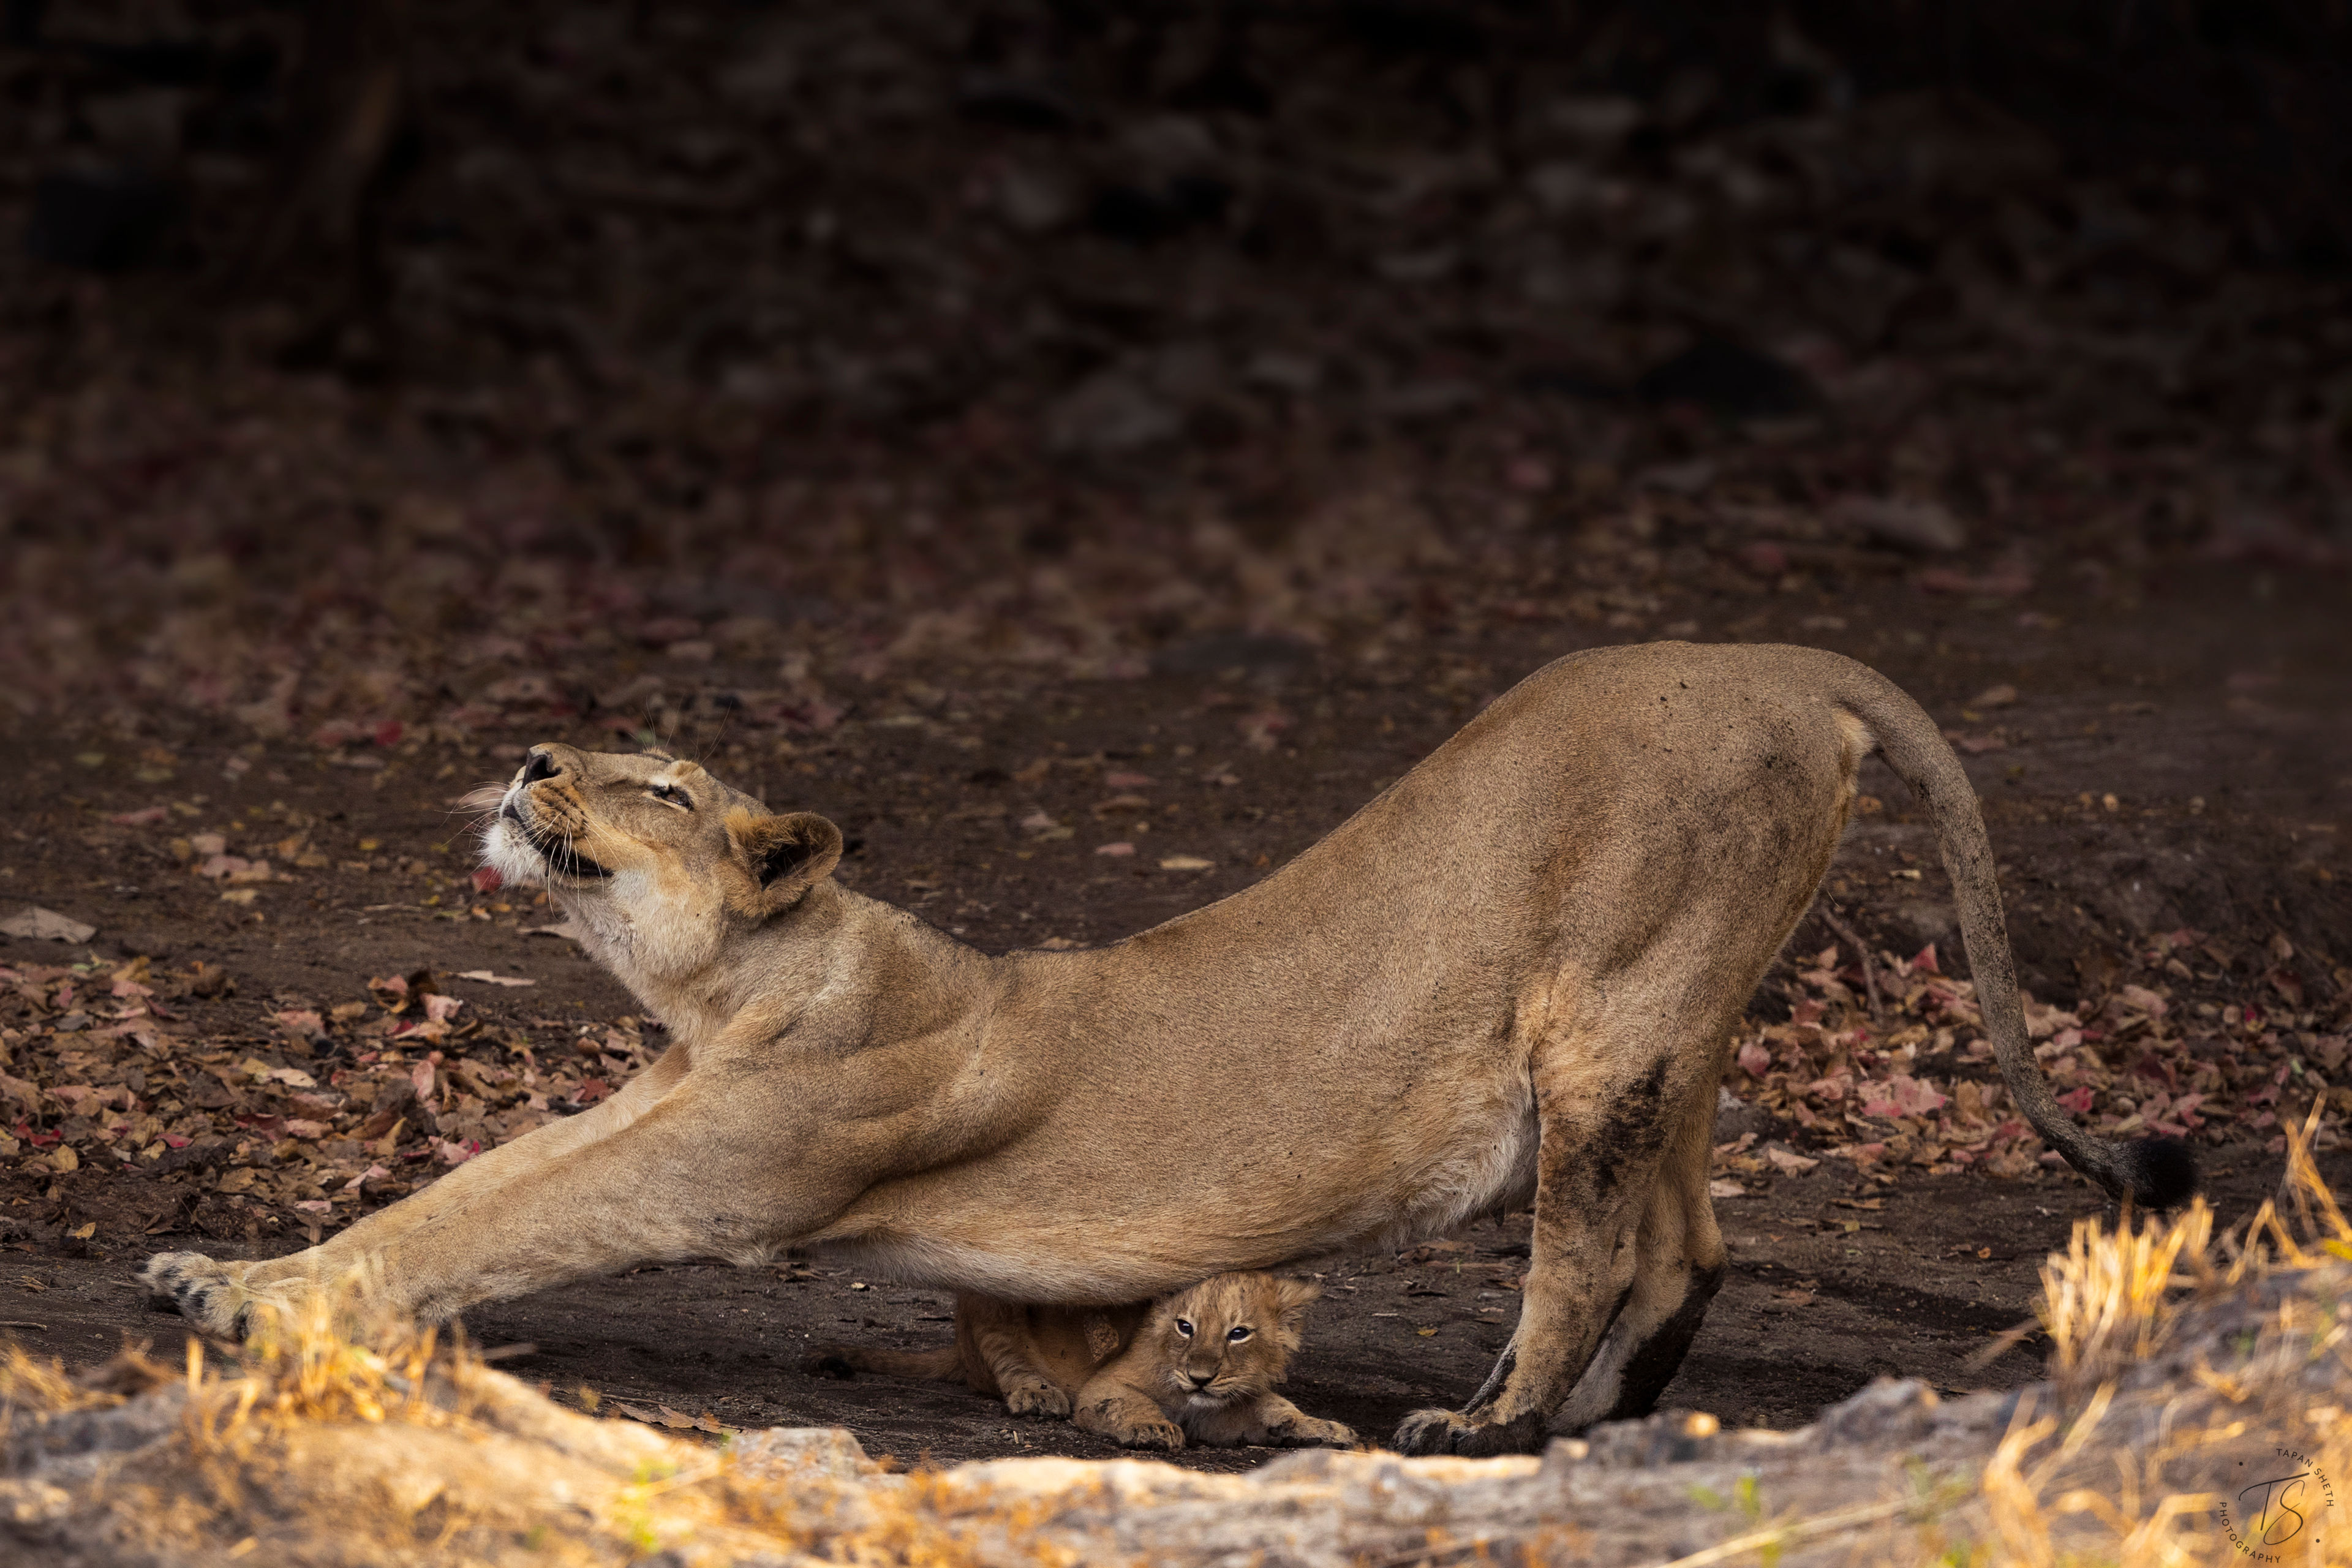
(335, 334)
(1087, 449)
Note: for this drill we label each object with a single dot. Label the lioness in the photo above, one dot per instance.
(1203, 1362)
(1512, 976)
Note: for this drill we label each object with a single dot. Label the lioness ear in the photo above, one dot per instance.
(1292, 1296)
(785, 856)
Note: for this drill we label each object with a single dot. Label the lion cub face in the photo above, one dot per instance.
(653, 853)
(1230, 1337)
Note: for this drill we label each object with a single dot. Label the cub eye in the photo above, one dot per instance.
(1184, 1327)
(1238, 1335)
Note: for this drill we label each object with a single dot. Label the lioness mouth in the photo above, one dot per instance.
(552, 848)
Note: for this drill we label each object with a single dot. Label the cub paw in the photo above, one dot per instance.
(210, 1294)
(1042, 1399)
(1449, 1432)
(1150, 1435)
(1309, 1432)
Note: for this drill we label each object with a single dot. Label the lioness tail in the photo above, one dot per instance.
(2153, 1172)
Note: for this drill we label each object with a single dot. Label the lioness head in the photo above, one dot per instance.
(1230, 1337)
(651, 852)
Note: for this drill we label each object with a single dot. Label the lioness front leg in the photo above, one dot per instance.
(695, 1177)
(219, 1297)
(1603, 1134)
(1268, 1421)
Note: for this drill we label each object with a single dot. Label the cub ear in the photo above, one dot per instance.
(784, 855)
(1292, 1297)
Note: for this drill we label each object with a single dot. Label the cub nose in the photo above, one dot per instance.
(540, 766)
(1202, 1379)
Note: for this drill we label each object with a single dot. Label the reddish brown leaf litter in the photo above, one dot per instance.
(1913, 1088)
(311, 1115)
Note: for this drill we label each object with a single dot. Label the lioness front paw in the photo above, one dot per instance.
(1041, 1399)
(1450, 1431)
(1150, 1435)
(210, 1294)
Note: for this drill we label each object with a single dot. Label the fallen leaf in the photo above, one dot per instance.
(1425, 1333)
(1724, 1188)
(565, 928)
(1185, 863)
(37, 924)
(1119, 849)
(488, 978)
(83, 1233)
(1789, 1163)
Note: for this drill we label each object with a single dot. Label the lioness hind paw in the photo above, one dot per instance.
(1043, 1400)
(1449, 1432)
(209, 1294)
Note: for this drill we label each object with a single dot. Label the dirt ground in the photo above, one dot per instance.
(2177, 759)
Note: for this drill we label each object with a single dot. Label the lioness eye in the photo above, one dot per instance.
(1184, 1327)
(670, 795)
(1238, 1335)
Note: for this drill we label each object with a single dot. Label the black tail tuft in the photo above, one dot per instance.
(2160, 1172)
(829, 1363)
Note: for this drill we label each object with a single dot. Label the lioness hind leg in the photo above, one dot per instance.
(1609, 1104)
(1681, 1266)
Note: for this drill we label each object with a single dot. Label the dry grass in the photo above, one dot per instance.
(344, 1435)
(2066, 1487)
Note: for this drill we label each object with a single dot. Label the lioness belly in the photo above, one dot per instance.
(1422, 1172)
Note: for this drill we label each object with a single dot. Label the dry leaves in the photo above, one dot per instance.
(1918, 1090)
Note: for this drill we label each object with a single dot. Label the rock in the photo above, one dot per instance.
(1888, 1413)
(36, 924)
(793, 1453)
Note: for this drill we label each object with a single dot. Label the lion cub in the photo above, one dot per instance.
(1201, 1362)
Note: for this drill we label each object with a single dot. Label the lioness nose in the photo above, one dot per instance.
(540, 766)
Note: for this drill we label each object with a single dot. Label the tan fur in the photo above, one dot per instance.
(1203, 1361)
(1512, 976)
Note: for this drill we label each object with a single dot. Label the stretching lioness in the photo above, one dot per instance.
(1203, 1361)
(1512, 976)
